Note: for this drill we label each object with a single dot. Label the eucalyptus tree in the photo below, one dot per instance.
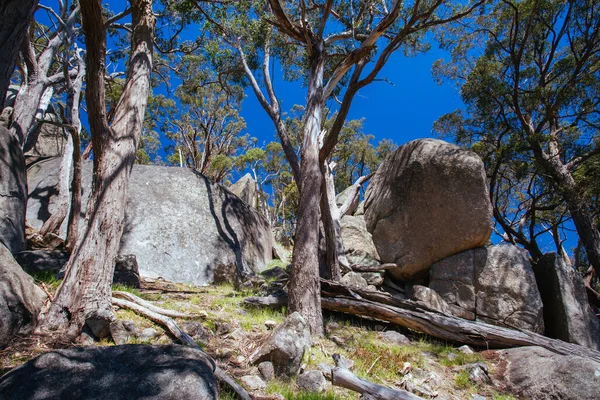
(536, 87)
(84, 296)
(335, 48)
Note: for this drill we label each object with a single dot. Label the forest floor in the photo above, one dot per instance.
(231, 332)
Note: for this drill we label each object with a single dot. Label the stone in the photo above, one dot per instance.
(312, 381)
(358, 243)
(342, 197)
(13, 192)
(269, 324)
(113, 372)
(493, 284)
(178, 223)
(394, 337)
(280, 253)
(373, 278)
(360, 210)
(428, 200)
(465, 349)
(36, 261)
(20, 299)
(286, 346)
(127, 271)
(119, 334)
(246, 189)
(354, 280)
(507, 293)
(50, 142)
(196, 331)
(567, 313)
(478, 373)
(275, 273)
(325, 370)
(537, 373)
(253, 382)
(148, 334)
(429, 299)
(131, 327)
(266, 370)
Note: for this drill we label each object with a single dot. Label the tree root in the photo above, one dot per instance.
(184, 338)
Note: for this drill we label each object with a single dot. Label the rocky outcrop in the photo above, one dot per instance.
(178, 223)
(537, 373)
(114, 372)
(344, 196)
(567, 314)
(358, 243)
(13, 192)
(20, 299)
(427, 201)
(286, 346)
(50, 141)
(495, 283)
(245, 188)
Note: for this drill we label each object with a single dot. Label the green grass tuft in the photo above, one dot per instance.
(47, 277)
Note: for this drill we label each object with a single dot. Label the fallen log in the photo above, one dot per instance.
(342, 377)
(185, 339)
(441, 326)
(135, 299)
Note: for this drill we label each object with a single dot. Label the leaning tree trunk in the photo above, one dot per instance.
(304, 289)
(84, 297)
(330, 214)
(15, 16)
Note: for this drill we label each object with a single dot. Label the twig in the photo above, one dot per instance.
(372, 365)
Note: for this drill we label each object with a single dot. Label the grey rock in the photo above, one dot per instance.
(127, 271)
(567, 313)
(113, 372)
(148, 334)
(119, 334)
(358, 243)
(476, 396)
(537, 373)
(280, 253)
(493, 284)
(360, 210)
(465, 349)
(225, 273)
(13, 192)
(36, 261)
(286, 346)
(394, 337)
(196, 331)
(245, 188)
(266, 370)
(507, 293)
(452, 356)
(178, 223)
(373, 278)
(478, 374)
(20, 299)
(312, 381)
(130, 326)
(354, 279)
(427, 201)
(253, 382)
(429, 299)
(342, 197)
(325, 370)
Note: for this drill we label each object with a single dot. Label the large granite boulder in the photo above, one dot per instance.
(358, 243)
(13, 192)
(537, 373)
(427, 201)
(567, 313)
(114, 372)
(343, 196)
(246, 189)
(179, 224)
(48, 140)
(495, 283)
(20, 299)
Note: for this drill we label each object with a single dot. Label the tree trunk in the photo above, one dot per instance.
(15, 16)
(304, 289)
(84, 297)
(330, 215)
(576, 203)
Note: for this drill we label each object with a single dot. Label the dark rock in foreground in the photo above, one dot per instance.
(113, 373)
(178, 223)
